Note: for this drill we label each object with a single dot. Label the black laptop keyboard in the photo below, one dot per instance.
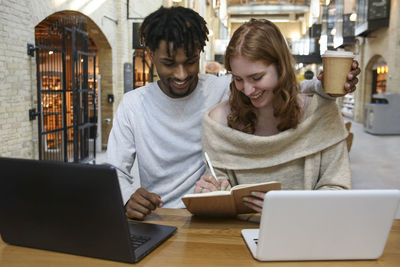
(137, 240)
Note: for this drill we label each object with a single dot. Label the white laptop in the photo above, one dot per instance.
(323, 225)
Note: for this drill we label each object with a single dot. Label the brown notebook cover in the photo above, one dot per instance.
(225, 203)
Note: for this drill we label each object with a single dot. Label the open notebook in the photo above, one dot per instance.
(225, 203)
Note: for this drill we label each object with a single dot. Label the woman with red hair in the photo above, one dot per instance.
(267, 130)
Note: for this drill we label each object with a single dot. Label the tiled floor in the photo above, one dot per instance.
(374, 159)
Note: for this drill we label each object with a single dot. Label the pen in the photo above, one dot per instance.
(210, 165)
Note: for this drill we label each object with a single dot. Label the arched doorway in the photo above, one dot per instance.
(67, 84)
(379, 77)
(376, 77)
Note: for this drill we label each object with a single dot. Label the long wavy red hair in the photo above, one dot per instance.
(262, 40)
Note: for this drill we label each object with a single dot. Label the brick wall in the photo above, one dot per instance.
(17, 82)
(108, 27)
(18, 135)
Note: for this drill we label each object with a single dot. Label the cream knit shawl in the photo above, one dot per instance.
(321, 128)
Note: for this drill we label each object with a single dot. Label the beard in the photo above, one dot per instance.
(179, 93)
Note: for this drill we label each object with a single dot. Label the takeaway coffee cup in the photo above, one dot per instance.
(337, 64)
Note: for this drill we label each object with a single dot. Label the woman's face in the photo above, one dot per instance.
(255, 79)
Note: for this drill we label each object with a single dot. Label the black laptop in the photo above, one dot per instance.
(72, 208)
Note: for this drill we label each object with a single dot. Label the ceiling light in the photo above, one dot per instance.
(267, 9)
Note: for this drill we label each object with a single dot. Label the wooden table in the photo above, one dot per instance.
(198, 242)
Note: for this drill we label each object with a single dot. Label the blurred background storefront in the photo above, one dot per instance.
(52, 88)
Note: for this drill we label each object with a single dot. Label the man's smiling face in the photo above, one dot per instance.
(178, 72)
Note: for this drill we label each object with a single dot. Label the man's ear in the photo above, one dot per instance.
(150, 53)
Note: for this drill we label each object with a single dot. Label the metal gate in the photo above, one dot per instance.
(66, 93)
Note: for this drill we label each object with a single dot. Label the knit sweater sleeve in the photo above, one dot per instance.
(335, 171)
(222, 173)
(121, 149)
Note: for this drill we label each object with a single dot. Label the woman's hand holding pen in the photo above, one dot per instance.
(208, 183)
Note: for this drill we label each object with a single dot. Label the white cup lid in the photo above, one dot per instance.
(331, 53)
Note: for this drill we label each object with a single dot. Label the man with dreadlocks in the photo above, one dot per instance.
(159, 124)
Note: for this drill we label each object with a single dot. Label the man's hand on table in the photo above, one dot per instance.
(141, 204)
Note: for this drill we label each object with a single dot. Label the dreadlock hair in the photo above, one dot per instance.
(261, 40)
(179, 26)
